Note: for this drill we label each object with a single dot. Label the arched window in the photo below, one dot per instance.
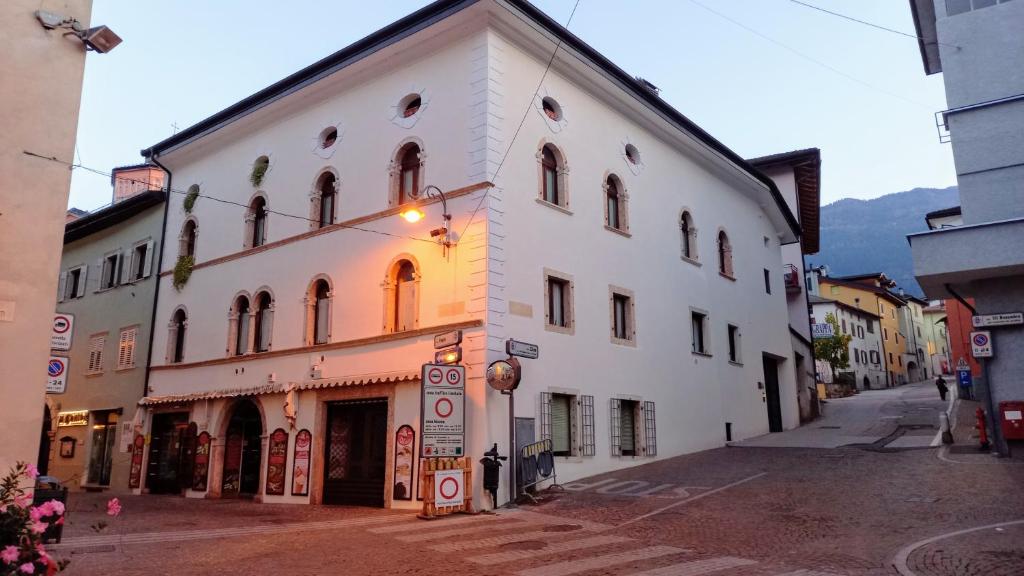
(264, 319)
(402, 282)
(257, 222)
(409, 173)
(724, 255)
(176, 339)
(615, 204)
(689, 236)
(240, 326)
(187, 239)
(326, 190)
(318, 312)
(549, 176)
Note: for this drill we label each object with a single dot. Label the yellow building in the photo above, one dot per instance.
(870, 292)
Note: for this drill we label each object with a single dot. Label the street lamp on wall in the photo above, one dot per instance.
(413, 213)
(98, 38)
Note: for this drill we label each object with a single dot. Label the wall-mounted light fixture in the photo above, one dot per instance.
(98, 38)
(414, 213)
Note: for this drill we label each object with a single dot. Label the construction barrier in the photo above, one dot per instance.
(429, 469)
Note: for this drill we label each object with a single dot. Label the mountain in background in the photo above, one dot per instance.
(862, 236)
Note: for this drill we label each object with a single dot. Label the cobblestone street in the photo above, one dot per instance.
(736, 511)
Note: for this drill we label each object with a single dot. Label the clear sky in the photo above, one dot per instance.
(184, 60)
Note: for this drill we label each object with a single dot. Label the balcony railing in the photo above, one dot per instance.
(791, 279)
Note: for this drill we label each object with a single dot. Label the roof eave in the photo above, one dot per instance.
(923, 14)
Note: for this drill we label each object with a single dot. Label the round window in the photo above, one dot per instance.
(328, 137)
(410, 105)
(632, 154)
(551, 108)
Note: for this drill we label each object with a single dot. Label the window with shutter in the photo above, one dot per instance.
(561, 424)
(650, 430)
(80, 280)
(587, 417)
(627, 427)
(96, 344)
(126, 348)
(615, 427)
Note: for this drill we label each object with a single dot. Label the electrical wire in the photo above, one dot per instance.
(73, 165)
(852, 19)
(521, 121)
(809, 58)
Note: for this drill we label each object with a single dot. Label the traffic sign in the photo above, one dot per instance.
(522, 349)
(964, 378)
(63, 327)
(1004, 319)
(57, 375)
(448, 356)
(449, 488)
(961, 364)
(447, 339)
(442, 411)
(981, 344)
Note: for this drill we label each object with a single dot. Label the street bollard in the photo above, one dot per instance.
(947, 434)
(980, 427)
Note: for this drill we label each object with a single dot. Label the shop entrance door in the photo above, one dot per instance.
(163, 474)
(243, 451)
(356, 452)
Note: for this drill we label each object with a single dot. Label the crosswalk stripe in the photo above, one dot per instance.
(495, 541)
(437, 535)
(551, 548)
(806, 572)
(697, 567)
(423, 525)
(582, 565)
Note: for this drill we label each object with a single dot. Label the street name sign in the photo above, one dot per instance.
(823, 330)
(443, 411)
(1004, 319)
(522, 349)
(57, 375)
(453, 338)
(981, 344)
(63, 327)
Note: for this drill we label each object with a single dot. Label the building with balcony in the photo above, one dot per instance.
(640, 254)
(978, 48)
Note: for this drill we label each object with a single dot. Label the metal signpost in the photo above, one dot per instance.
(504, 376)
(443, 411)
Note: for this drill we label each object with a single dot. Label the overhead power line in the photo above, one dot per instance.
(859, 21)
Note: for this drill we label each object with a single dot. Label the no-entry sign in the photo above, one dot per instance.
(443, 414)
(448, 488)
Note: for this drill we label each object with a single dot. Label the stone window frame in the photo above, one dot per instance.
(315, 197)
(183, 238)
(578, 421)
(561, 175)
(688, 239)
(172, 336)
(232, 348)
(622, 200)
(395, 169)
(266, 324)
(734, 333)
(568, 307)
(726, 260)
(631, 324)
(389, 287)
(309, 305)
(705, 332)
(250, 220)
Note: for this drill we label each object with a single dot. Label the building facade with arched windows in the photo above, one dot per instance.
(311, 337)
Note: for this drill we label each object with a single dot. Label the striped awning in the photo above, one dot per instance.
(213, 394)
(360, 380)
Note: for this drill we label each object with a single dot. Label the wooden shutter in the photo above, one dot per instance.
(545, 416)
(650, 430)
(628, 441)
(62, 285)
(126, 348)
(96, 353)
(323, 314)
(616, 425)
(147, 265)
(561, 431)
(83, 276)
(123, 269)
(406, 306)
(242, 334)
(587, 419)
(266, 329)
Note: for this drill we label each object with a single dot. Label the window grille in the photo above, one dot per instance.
(616, 423)
(587, 410)
(545, 416)
(650, 430)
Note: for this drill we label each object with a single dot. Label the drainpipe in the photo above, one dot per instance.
(152, 157)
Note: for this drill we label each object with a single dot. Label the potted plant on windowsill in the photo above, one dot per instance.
(259, 170)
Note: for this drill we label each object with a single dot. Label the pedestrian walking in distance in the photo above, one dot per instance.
(941, 385)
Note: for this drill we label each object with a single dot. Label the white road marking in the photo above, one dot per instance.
(808, 573)
(594, 562)
(688, 500)
(551, 548)
(497, 540)
(697, 567)
(900, 561)
(427, 524)
(439, 534)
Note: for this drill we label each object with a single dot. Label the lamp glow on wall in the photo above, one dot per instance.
(413, 213)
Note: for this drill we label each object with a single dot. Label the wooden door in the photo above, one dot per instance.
(356, 452)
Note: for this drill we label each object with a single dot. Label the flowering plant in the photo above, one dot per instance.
(22, 526)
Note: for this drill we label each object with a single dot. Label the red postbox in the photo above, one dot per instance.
(1011, 418)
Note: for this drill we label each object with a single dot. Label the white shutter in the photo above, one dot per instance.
(587, 416)
(323, 314)
(126, 348)
(616, 427)
(96, 344)
(241, 344)
(406, 306)
(561, 437)
(83, 277)
(123, 269)
(266, 329)
(62, 285)
(148, 260)
(99, 273)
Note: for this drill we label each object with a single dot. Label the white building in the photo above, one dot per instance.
(626, 242)
(865, 348)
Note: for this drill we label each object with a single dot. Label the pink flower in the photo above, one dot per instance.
(38, 527)
(31, 471)
(114, 507)
(27, 568)
(37, 512)
(3, 508)
(22, 500)
(9, 555)
(56, 507)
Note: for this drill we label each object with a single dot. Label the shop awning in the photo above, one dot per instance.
(360, 380)
(213, 394)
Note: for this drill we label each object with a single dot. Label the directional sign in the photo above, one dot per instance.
(447, 339)
(57, 375)
(63, 327)
(443, 412)
(449, 488)
(1004, 319)
(522, 349)
(964, 378)
(823, 330)
(981, 344)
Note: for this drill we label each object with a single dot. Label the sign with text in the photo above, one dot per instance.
(964, 378)
(823, 330)
(522, 349)
(981, 344)
(74, 418)
(57, 375)
(447, 339)
(63, 327)
(448, 488)
(1004, 319)
(442, 408)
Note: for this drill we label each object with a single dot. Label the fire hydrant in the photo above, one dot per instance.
(980, 426)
